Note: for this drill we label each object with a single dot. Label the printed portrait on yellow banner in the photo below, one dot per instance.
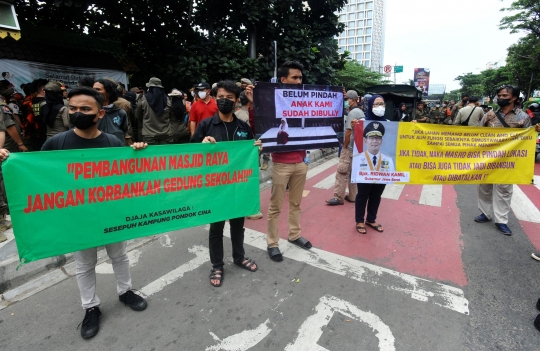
(440, 154)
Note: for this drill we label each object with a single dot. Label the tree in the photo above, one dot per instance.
(453, 95)
(492, 79)
(471, 84)
(357, 77)
(523, 63)
(184, 42)
(524, 57)
(527, 19)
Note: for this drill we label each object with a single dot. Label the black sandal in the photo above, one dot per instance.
(302, 242)
(361, 228)
(217, 274)
(248, 264)
(375, 226)
(275, 254)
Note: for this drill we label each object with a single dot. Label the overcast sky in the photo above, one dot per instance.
(448, 37)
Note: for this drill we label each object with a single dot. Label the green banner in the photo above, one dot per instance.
(66, 201)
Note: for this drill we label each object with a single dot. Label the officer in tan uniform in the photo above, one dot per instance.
(372, 159)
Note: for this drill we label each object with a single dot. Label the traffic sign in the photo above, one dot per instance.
(387, 69)
(398, 69)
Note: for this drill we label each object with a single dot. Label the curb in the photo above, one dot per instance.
(11, 277)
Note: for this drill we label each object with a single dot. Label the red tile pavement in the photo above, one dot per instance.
(420, 240)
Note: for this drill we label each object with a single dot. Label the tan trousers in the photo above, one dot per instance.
(343, 176)
(293, 174)
(494, 201)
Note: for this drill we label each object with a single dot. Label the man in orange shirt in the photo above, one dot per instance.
(203, 108)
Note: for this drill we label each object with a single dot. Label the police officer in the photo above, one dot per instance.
(437, 114)
(422, 116)
(372, 159)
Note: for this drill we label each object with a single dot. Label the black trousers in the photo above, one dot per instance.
(216, 241)
(370, 195)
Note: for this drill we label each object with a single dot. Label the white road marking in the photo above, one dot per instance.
(431, 195)
(418, 288)
(312, 329)
(56, 276)
(523, 207)
(393, 191)
(106, 267)
(537, 182)
(326, 183)
(165, 240)
(322, 167)
(202, 256)
(242, 341)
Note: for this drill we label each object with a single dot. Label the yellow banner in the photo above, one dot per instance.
(439, 154)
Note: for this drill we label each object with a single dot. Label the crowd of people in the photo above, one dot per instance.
(101, 113)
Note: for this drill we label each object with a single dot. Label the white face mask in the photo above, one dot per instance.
(379, 111)
(202, 94)
(193, 94)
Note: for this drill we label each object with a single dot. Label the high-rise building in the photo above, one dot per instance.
(364, 31)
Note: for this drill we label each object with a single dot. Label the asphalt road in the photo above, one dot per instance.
(322, 299)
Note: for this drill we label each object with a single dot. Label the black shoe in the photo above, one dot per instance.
(503, 228)
(481, 218)
(538, 305)
(537, 322)
(90, 323)
(136, 302)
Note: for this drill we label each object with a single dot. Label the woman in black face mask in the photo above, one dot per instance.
(225, 126)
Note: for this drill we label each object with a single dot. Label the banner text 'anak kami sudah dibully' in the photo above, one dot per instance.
(439, 154)
(65, 201)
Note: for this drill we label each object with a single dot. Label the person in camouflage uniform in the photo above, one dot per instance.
(422, 116)
(437, 114)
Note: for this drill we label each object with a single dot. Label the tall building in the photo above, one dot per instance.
(364, 32)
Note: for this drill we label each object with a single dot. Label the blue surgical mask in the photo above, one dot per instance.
(346, 104)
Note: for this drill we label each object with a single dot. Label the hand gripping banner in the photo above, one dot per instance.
(66, 201)
(393, 152)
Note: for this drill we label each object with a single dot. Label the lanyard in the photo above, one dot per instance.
(371, 162)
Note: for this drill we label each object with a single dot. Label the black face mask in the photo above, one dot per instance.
(225, 106)
(503, 102)
(464, 101)
(82, 120)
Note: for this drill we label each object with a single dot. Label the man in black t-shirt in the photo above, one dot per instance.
(85, 110)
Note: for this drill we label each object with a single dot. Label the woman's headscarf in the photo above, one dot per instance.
(370, 116)
(49, 111)
(284, 128)
(157, 99)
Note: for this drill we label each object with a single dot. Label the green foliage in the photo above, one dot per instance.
(523, 62)
(492, 79)
(471, 84)
(453, 95)
(526, 19)
(357, 77)
(187, 41)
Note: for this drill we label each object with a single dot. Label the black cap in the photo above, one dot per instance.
(202, 86)
(374, 128)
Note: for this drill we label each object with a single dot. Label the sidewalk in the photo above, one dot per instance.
(11, 277)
